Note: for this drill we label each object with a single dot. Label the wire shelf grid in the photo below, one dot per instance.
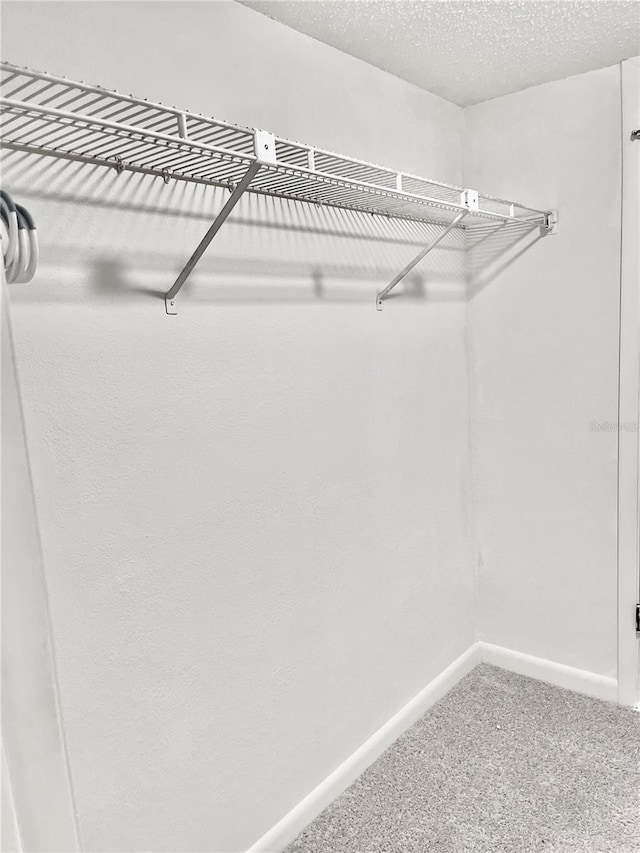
(57, 117)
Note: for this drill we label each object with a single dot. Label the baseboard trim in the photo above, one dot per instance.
(284, 832)
(579, 680)
(568, 677)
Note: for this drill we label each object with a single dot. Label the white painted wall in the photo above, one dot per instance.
(255, 515)
(545, 373)
(9, 835)
(37, 802)
(629, 403)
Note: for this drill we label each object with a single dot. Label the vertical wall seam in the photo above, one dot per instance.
(45, 588)
(472, 451)
(471, 407)
(619, 390)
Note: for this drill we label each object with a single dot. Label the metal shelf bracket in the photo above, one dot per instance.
(387, 290)
(51, 116)
(265, 150)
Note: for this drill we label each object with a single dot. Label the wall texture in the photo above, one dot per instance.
(545, 372)
(629, 393)
(36, 795)
(255, 515)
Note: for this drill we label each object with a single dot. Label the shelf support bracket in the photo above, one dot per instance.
(170, 300)
(387, 290)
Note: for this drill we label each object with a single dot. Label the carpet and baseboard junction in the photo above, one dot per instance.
(502, 763)
(498, 761)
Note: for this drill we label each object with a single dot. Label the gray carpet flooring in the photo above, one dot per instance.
(502, 763)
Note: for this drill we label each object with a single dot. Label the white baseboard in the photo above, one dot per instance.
(579, 680)
(284, 832)
(287, 829)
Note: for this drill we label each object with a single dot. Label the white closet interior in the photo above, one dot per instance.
(277, 526)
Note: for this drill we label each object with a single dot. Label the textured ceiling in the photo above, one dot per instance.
(470, 50)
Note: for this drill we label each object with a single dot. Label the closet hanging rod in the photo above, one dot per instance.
(53, 116)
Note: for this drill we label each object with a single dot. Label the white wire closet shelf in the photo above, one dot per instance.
(53, 116)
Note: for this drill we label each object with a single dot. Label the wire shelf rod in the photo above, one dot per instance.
(107, 93)
(53, 116)
(137, 132)
(148, 104)
(109, 125)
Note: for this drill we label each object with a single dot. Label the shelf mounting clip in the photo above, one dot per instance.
(551, 222)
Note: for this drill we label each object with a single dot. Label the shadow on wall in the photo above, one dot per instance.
(126, 237)
(491, 249)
